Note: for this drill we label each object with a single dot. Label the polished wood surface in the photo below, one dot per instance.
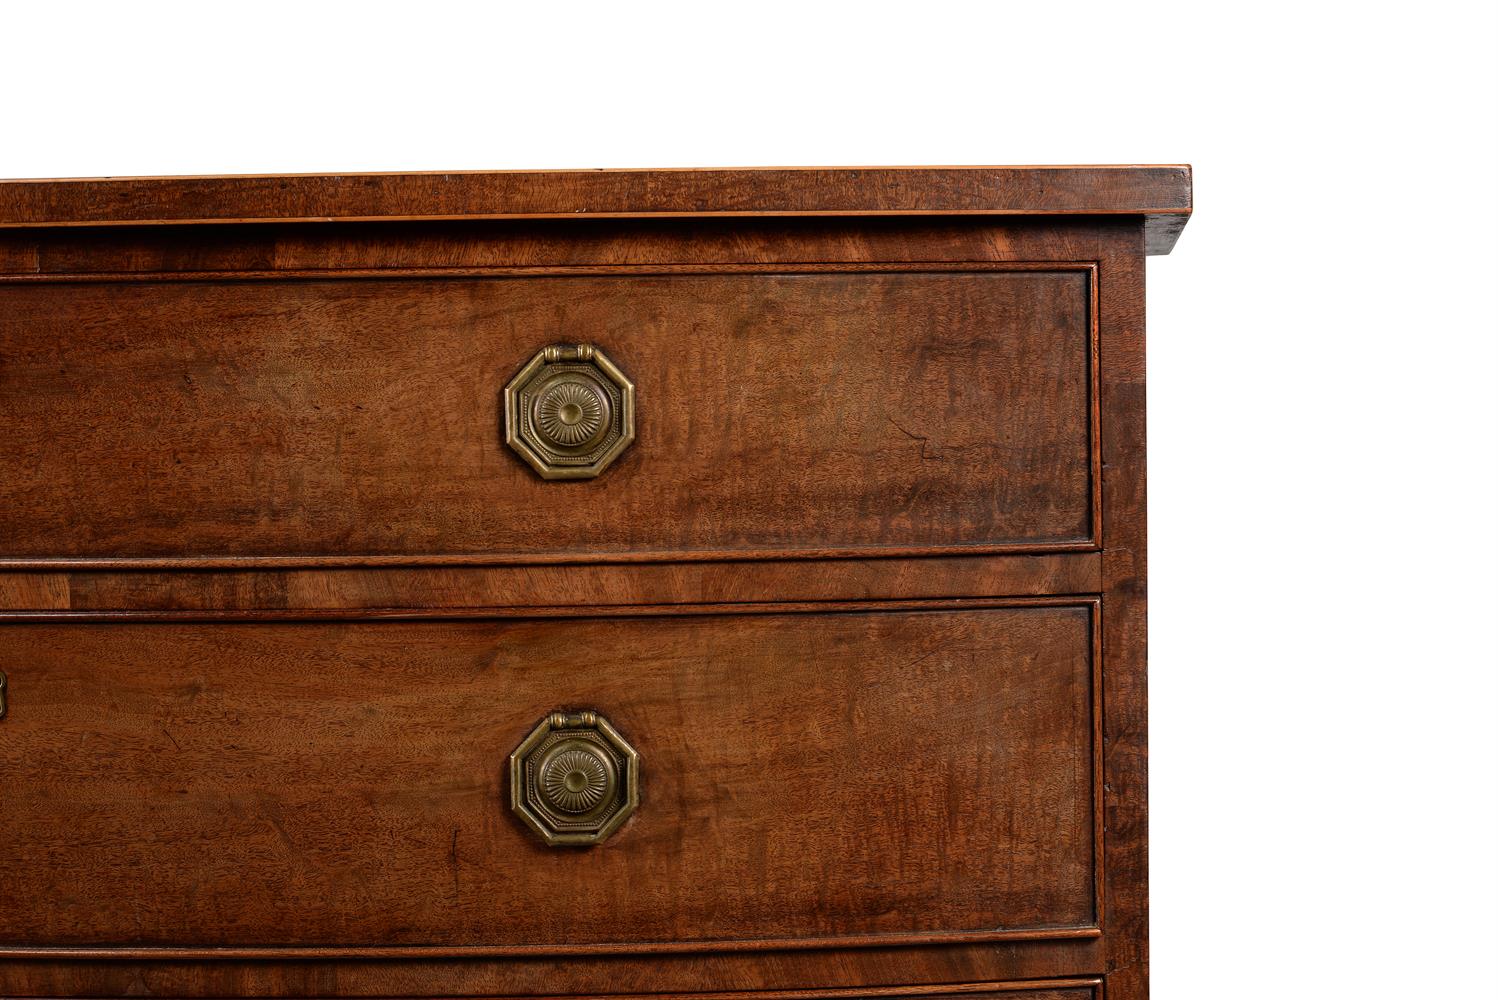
(1056, 988)
(809, 413)
(340, 784)
(1158, 194)
(1125, 586)
(851, 970)
(276, 603)
(490, 590)
(527, 247)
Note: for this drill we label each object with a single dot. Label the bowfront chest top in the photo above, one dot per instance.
(722, 582)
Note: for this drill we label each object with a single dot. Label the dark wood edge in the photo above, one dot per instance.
(43, 616)
(750, 974)
(1099, 774)
(1151, 191)
(438, 272)
(360, 952)
(332, 561)
(1093, 984)
(1094, 410)
(466, 587)
(267, 952)
(1124, 618)
(110, 564)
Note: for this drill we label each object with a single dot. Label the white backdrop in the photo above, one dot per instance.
(1323, 350)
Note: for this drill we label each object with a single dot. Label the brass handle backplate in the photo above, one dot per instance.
(569, 412)
(574, 780)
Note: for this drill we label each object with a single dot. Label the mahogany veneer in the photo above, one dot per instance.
(862, 586)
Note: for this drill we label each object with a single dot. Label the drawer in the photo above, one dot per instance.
(898, 774)
(867, 410)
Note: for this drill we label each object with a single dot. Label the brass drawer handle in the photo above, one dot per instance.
(574, 780)
(3, 680)
(569, 412)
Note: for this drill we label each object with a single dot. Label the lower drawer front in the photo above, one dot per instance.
(874, 774)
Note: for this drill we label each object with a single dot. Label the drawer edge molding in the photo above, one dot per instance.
(361, 591)
(1093, 985)
(327, 561)
(299, 952)
(396, 614)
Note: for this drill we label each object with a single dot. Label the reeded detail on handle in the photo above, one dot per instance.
(574, 780)
(569, 412)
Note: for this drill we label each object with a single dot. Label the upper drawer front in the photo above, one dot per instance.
(343, 419)
(802, 777)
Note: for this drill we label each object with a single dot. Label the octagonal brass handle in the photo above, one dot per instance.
(569, 412)
(574, 780)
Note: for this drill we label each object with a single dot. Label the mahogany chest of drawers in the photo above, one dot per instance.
(580, 583)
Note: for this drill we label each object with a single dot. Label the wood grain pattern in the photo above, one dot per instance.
(485, 247)
(1159, 195)
(483, 590)
(1124, 622)
(249, 710)
(851, 971)
(815, 414)
(330, 785)
(39, 591)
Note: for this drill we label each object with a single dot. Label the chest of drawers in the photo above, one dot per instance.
(581, 583)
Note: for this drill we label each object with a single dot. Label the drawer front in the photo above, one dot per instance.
(358, 418)
(884, 775)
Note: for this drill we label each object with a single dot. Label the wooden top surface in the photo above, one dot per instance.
(1160, 194)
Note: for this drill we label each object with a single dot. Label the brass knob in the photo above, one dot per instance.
(569, 412)
(574, 780)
